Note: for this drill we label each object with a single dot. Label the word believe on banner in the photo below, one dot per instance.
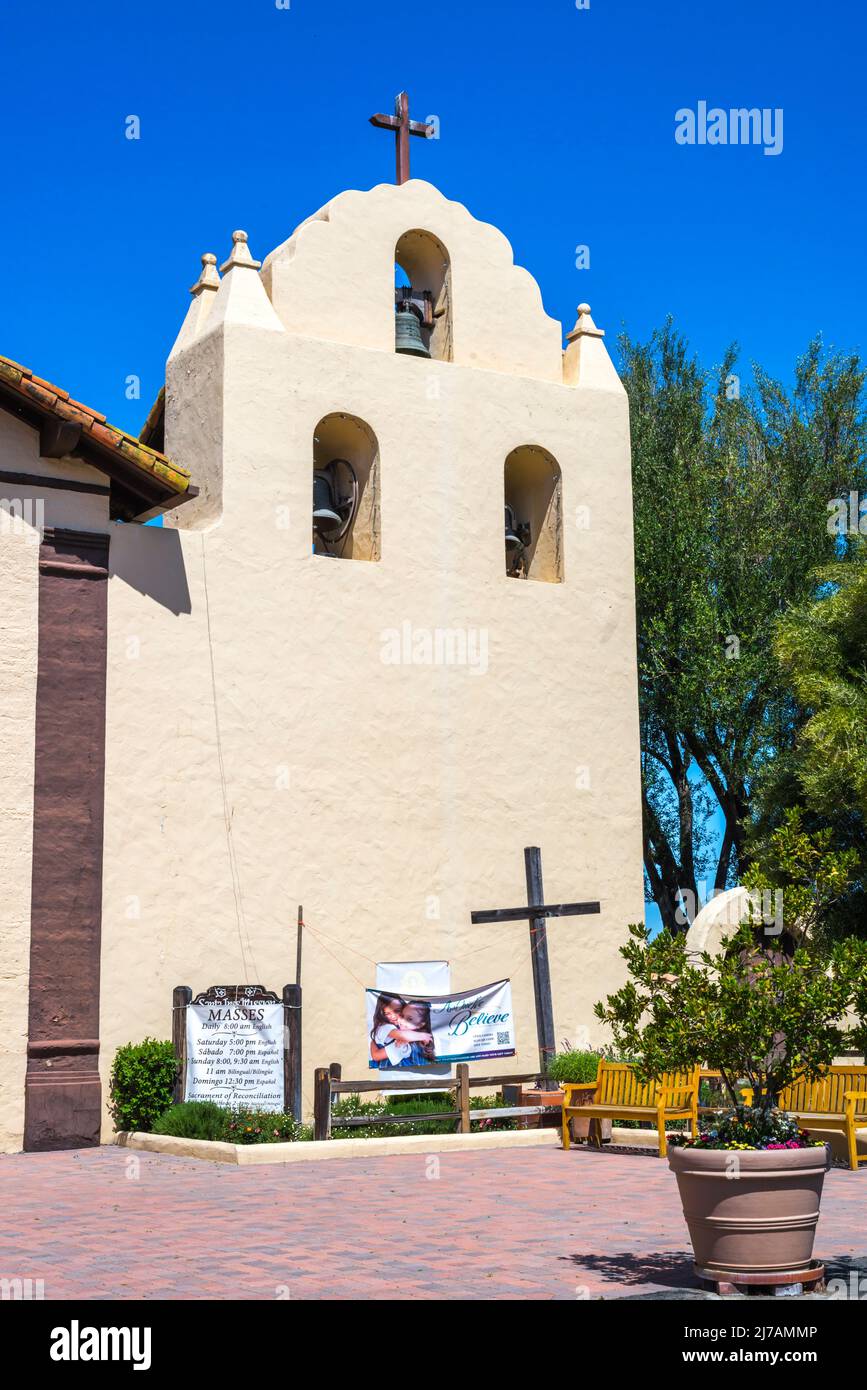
(235, 1048)
(418, 1030)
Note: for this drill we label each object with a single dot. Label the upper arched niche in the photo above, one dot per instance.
(423, 274)
(334, 279)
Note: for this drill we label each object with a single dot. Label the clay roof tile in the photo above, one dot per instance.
(22, 385)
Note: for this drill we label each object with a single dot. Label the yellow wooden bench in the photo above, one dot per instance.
(619, 1095)
(837, 1100)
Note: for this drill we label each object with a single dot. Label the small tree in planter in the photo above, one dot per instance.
(758, 1017)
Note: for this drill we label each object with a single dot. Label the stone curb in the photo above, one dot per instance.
(245, 1155)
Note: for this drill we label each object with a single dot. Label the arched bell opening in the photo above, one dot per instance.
(533, 515)
(422, 297)
(346, 516)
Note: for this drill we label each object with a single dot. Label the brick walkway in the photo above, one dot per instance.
(536, 1224)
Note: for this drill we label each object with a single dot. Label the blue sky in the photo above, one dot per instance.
(557, 124)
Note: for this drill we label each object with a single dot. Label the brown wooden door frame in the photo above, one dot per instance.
(63, 1101)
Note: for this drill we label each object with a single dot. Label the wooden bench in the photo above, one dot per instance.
(619, 1095)
(837, 1101)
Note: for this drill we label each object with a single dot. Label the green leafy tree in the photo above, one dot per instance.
(813, 878)
(750, 1013)
(821, 646)
(731, 492)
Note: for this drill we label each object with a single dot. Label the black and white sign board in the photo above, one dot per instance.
(235, 1045)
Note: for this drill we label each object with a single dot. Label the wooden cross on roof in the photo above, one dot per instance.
(538, 912)
(403, 128)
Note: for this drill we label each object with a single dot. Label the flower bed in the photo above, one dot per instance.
(745, 1128)
(202, 1119)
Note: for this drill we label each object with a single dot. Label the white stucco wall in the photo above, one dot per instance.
(259, 753)
(18, 633)
(371, 793)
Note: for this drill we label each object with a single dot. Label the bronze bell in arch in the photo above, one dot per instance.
(408, 337)
(517, 540)
(326, 519)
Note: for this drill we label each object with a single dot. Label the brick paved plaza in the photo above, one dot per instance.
(540, 1224)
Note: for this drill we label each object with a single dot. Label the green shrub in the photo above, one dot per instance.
(142, 1082)
(194, 1119)
(574, 1066)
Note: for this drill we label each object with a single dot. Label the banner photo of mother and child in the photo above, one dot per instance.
(417, 1031)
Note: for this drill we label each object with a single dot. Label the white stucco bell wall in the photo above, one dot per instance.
(260, 753)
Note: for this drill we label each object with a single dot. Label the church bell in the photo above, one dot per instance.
(408, 337)
(326, 520)
(517, 540)
(513, 540)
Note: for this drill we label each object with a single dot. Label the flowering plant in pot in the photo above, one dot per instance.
(762, 1012)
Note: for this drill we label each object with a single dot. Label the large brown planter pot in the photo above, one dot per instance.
(751, 1211)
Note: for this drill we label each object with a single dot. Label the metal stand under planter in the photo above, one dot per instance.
(788, 1283)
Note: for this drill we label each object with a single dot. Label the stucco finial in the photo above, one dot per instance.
(240, 254)
(586, 363)
(584, 326)
(208, 279)
(199, 311)
(242, 299)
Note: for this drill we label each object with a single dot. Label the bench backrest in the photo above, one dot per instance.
(826, 1096)
(617, 1084)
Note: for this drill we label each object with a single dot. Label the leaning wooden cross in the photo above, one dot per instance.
(538, 911)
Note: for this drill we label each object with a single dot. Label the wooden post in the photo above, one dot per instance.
(511, 1094)
(299, 932)
(335, 1072)
(181, 996)
(539, 956)
(292, 1053)
(321, 1103)
(462, 1072)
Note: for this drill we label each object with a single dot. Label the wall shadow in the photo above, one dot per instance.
(151, 560)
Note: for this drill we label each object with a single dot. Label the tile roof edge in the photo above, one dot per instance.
(54, 400)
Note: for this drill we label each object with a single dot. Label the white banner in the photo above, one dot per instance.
(414, 1030)
(235, 1048)
(408, 978)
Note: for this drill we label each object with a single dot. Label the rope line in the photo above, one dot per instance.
(234, 870)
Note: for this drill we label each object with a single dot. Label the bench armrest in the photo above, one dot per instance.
(666, 1095)
(851, 1098)
(570, 1086)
